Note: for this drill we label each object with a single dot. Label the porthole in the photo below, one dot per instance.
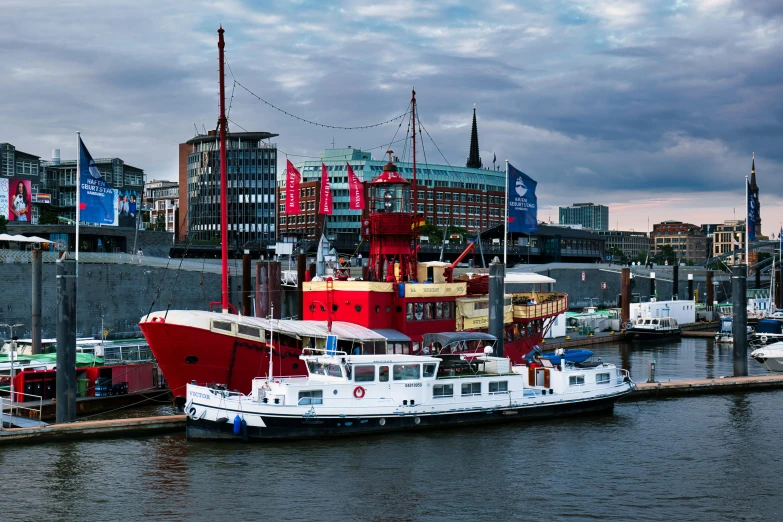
(388, 309)
(191, 359)
(322, 308)
(334, 307)
(312, 307)
(334, 392)
(377, 309)
(399, 309)
(358, 308)
(382, 422)
(295, 366)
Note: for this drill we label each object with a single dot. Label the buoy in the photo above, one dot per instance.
(237, 425)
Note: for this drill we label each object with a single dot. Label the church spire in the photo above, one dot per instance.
(474, 160)
(753, 173)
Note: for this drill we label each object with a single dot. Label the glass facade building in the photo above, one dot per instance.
(251, 173)
(595, 217)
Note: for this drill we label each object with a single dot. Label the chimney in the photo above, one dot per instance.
(56, 156)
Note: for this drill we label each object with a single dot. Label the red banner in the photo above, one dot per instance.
(355, 190)
(292, 189)
(325, 205)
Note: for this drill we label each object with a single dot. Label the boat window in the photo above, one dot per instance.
(655, 321)
(407, 372)
(221, 325)
(308, 397)
(249, 330)
(471, 388)
(348, 370)
(602, 378)
(364, 373)
(443, 390)
(317, 368)
(527, 392)
(429, 370)
(498, 387)
(576, 380)
(383, 374)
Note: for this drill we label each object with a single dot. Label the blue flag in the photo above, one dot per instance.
(752, 214)
(98, 200)
(522, 202)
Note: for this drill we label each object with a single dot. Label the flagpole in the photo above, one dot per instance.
(505, 223)
(78, 191)
(747, 224)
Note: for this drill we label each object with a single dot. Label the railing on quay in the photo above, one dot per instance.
(16, 406)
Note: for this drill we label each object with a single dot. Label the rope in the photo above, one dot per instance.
(157, 289)
(304, 120)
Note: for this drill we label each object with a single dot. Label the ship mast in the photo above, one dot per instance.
(415, 186)
(223, 181)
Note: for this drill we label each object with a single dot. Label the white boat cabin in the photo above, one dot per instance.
(657, 323)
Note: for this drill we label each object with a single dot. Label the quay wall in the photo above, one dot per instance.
(119, 293)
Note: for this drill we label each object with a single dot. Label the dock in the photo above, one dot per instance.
(687, 333)
(703, 329)
(689, 387)
(92, 405)
(93, 429)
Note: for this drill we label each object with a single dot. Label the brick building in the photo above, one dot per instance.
(688, 241)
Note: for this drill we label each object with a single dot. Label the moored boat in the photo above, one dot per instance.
(345, 394)
(654, 328)
(770, 356)
(725, 334)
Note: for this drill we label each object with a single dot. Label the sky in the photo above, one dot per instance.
(652, 108)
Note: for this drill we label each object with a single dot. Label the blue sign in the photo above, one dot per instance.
(331, 345)
(522, 202)
(753, 205)
(97, 198)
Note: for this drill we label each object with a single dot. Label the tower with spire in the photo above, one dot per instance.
(474, 160)
(754, 190)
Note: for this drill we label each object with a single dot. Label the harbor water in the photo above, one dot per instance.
(695, 458)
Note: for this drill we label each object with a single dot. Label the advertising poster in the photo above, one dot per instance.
(4, 198)
(126, 207)
(20, 200)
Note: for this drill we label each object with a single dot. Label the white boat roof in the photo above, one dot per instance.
(527, 278)
(201, 319)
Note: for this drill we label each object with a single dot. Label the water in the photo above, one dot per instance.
(696, 458)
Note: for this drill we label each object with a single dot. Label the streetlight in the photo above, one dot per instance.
(12, 357)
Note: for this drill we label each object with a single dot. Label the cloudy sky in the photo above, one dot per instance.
(653, 108)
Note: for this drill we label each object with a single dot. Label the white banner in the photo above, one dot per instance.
(4, 198)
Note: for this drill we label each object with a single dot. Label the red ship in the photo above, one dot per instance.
(388, 311)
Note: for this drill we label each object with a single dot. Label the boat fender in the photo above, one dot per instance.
(192, 412)
(358, 392)
(237, 425)
(244, 429)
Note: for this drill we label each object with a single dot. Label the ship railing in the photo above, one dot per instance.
(547, 304)
(321, 351)
(127, 354)
(15, 406)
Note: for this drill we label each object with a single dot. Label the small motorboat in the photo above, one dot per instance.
(726, 333)
(555, 356)
(654, 328)
(770, 356)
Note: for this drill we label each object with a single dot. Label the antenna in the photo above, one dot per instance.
(195, 127)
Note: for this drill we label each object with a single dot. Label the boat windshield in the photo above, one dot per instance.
(319, 368)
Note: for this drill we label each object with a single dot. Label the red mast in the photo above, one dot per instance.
(223, 181)
(415, 186)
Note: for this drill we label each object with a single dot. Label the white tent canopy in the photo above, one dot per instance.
(527, 278)
(23, 239)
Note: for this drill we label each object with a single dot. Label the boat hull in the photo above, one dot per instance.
(291, 427)
(187, 353)
(650, 335)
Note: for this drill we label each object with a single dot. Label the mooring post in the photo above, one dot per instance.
(690, 295)
(497, 274)
(739, 323)
(262, 289)
(66, 341)
(246, 290)
(625, 295)
(652, 285)
(37, 296)
(675, 282)
(651, 371)
(710, 290)
(301, 268)
(275, 292)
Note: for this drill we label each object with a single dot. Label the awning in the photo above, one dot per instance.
(392, 335)
(527, 278)
(447, 338)
(23, 239)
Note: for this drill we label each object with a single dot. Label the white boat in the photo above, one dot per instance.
(654, 328)
(726, 333)
(356, 394)
(770, 356)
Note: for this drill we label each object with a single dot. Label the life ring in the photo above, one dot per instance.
(764, 339)
(358, 392)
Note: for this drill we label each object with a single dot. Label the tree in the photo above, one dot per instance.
(666, 254)
(48, 217)
(434, 233)
(160, 223)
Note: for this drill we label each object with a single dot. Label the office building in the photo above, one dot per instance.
(629, 242)
(730, 237)
(161, 199)
(251, 173)
(589, 215)
(17, 167)
(686, 240)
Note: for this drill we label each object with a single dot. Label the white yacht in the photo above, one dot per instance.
(770, 356)
(356, 394)
(654, 328)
